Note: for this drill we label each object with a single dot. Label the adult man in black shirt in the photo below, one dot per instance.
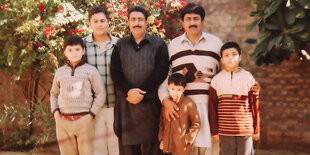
(139, 64)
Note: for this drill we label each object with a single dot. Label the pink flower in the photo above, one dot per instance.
(61, 8)
(41, 7)
(3, 7)
(146, 8)
(109, 6)
(135, 1)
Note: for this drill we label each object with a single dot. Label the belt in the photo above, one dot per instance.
(71, 117)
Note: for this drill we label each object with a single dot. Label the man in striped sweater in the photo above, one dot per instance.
(233, 106)
(194, 54)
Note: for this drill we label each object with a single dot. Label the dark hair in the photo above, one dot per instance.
(229, 45)
(138, 9)
(193, 8)
(97, 9)
(73, 40)
(177, 79)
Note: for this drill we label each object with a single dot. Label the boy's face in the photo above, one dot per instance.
(137, 23)
(99, 23)
(175, 91)
(74, 53)
(192, 24)
(231, 59)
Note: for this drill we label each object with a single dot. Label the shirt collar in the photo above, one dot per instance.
(90, 38)
(184, 37)
(147, 37)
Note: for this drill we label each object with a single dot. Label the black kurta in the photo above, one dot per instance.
(145, 66)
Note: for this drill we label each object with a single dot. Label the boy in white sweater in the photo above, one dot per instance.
(77, 95)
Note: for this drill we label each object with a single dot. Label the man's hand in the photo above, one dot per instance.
(161, 145)
(216, 138)
(255, 137)
(170, 109)
(135, 95)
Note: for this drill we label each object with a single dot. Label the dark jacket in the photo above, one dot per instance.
(176, 133)
(145, 66)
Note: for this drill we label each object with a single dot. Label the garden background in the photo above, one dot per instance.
(32, 32)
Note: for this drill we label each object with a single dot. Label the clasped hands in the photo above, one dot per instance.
(135, 95)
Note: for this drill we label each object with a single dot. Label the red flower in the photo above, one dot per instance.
(21, 17)
(38, 44)
(125, 7)
(50, 56)
(82, 30)
(54, 64)
(161, 2)
(157, 5)
(3, 7)
(40, 23)
(122, 13)
(146, 8)
(157, 22)
(135, 1)
(61, 8)
(41, 7)
(10, 78)
(176, 35)
(124, 1)
(25, 44)
(151, 3)
(49, 30)
(168, 16)
(35, 0)
(183, 3)
(69, 32)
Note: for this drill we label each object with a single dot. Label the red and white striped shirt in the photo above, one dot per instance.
(233, 107)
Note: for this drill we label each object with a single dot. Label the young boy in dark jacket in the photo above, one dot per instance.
(177, 136)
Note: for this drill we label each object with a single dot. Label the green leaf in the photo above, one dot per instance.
(297, 28)
(271, 26)
(304, 3)
(275, 42)
(272, 8)
(300, 13)
(289, 17)
(304, 36)
(260, 48)
(288, 43)
(254, 24)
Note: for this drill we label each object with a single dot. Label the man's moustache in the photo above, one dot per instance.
(195, 26)
(137, 26)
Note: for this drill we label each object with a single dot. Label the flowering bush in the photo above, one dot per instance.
(32, 34)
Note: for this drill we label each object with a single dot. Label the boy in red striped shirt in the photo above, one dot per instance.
(233, 107)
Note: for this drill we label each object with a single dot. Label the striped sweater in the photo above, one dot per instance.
(233, 107)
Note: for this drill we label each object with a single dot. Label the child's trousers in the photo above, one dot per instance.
(75, 137)
(236, 145)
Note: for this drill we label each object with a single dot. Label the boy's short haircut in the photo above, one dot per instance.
(229, 45)
(138, 9)
(193, 8)
(73, 40)
(177, 79)
(97, 9)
